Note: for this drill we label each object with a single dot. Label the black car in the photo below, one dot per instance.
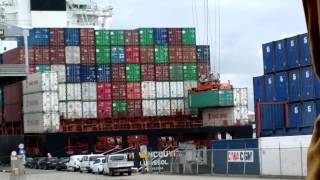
(62, 164)
(29, 162)
(40, 162)
(49, 163)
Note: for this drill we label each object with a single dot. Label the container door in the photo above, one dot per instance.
(295, 115)
(280, 55)
(258, 88)
(281, 86)
(294, 85)
(268, 57)
(309, 113)
(304, 51)
(307, 83)
(292, 49)
(269, 88)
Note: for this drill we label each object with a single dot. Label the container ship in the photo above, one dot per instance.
(91, 89)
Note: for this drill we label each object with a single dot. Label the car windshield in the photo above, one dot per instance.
(96, 161)
(93, 158)
(117, 158)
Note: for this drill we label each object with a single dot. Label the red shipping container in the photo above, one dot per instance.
(56, 36)
(119, 90)
(147, 54)
(134, 108)
(162, 72)
(32, 68)
(87, 37)
(175, 54)
(13, 93)
(104, 91)
(147, 72)
(104, 109)
(189, 54)
(57, 55)
(41, 55)
(132, 54)
(118, 72)
(16, 56)
(203, 69)
(131, 37)
(13, 113)
(87, 55)
(133, 91)
(175, 36)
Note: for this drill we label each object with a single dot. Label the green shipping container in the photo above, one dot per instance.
(116, 37)
(42, 68)
(146, 36)
(190, 71)
(176, 72)
(119, 108)
(188, 36)
(161, 54)
(213, 98)
(102, 37)
(103, 54)
(133, 72)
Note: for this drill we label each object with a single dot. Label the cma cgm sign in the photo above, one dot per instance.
(240, 156)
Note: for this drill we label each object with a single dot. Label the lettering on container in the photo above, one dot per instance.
(268, 49)
(296, 110)
(305, 40)
(240, 156)
(292, 43)
(294, 77)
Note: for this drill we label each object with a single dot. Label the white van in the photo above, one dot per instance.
(88, 160)
(74, 162)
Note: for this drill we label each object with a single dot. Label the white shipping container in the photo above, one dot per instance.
(73, 91)
(187, 109)
(41, 102)
(240, 96)
(163, 89)
(188, 85)
(61, 71)
(163, 107)
(148, 89)
(177, 106)
(89, 109)
(89, 91)
(176, 89)
(72, 55)
(39, 82)
(63, 109)
(41, 122)
(285, 155)
(74, 109)
(62, 92)
(225, 116)
(149, 108)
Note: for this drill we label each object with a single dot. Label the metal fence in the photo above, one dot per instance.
(252, 161)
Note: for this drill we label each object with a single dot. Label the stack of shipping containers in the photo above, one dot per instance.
(103, 74)
(286, 96)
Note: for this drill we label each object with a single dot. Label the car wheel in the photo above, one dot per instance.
(121, 174)
(129, 173)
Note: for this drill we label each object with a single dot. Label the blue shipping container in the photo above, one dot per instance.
(39, 37)
(269, 88)
(160, 36)
(117, 54)
(258, 88)
(203, 54)
(272, 116)
(268, 57)
(292, 52)
(304, 51)
(309, 113)
(295, 115)
(73, 73)
(281, 86)
(307, 83)
(280, 62)
(1, 59)
(88, 73)
(1, 98)
(294, 85)
(104, 73)
(72, 36)
(236, 156)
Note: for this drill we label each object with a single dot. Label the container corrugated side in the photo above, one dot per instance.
(176, 89)
(163, 107)
(41, 122)
(72, 55)
(74, 109)
(295, 115)
(240, 96)
(293, 52)
(73, 91)
(280, 55)
(188, 85)
(294, 85)
(40, 82)
(149, 108)
(307, 83)
(163, 90)
(148, 89)
(177, 106)
(89, 109)
(40, 102)
(268, 57)
(229, 116)
(89, 91)
(61, 71)
(304, 51)
(62, 92)
(281, 86)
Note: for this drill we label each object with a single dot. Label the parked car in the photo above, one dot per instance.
(88, 160)
(117, 164)
(97, 166)
(49, 163)
(29, 162)
(74, 162)
(62, 164)
(39, 161)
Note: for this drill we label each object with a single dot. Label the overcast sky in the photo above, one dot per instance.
(245, 25)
